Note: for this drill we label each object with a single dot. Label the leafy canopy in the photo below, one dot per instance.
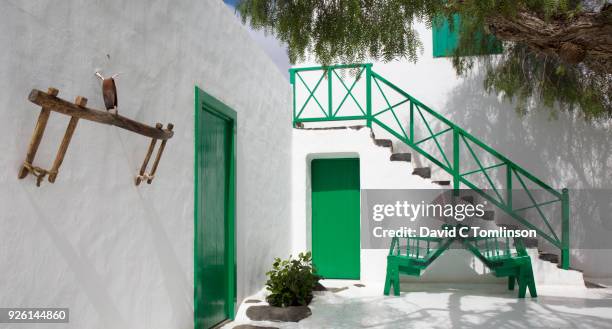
(348, 31)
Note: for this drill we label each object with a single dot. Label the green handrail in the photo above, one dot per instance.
(326, 110)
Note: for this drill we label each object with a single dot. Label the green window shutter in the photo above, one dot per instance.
(446, 41)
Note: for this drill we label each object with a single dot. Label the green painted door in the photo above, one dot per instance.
(214, 265)
(336, 218)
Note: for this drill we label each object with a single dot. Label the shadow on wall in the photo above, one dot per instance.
(558, 147)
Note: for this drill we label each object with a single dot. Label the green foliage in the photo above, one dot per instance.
(349, 31)
(342, 31)
(291, 281)
(521, 74)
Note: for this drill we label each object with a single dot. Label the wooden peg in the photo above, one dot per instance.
(59, 158)
(37, 135)
(81, 101)
(143, 168)
(52, 91)
(170, 126)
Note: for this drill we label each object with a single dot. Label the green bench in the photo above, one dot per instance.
(495, 252)
(411, 259)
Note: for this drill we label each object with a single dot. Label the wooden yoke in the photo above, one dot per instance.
(78, 110)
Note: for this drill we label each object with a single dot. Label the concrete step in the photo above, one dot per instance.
(401, 157)
(530, 242)
(424, 172)
(548, 273)
(488, 215)
(559, 266)
(383, 142)
(300, 125)
(553, 258)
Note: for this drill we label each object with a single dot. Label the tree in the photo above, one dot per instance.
(568, 43)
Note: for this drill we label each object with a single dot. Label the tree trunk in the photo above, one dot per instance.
(585, 38)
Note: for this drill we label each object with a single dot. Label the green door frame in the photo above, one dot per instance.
(206, 102)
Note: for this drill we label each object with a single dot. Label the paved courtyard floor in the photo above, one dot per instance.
(450, 305)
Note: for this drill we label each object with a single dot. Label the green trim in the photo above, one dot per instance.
(537, 205)
(348, 92)
(196, 196)
(483, 169)
(205, 101)
(311, 92)
(434, 135)
(565, 233)
(431, 133)
(501, 199)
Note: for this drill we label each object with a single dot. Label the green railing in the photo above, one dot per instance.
(362, 96)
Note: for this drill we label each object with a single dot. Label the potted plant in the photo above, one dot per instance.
(291, 281)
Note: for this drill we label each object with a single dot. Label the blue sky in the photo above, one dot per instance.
(272, 47)
(232, 3)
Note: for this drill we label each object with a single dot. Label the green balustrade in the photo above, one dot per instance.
(315, 101)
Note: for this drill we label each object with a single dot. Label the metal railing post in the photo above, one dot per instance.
(565, 230)
(292, 82)
(329, 92)
(411, 122)
(456, 170)
(369, 95)
(509, 186)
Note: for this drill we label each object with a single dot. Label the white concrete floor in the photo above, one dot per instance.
(449, 306)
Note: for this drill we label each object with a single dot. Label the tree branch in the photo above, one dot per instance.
(583, 38)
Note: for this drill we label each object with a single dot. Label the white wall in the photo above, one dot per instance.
(120, 256)
(560, 149)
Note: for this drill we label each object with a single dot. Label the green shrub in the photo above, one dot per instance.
(291, 281)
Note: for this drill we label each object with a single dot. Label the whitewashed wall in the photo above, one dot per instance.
(120, 256)
(560, 149)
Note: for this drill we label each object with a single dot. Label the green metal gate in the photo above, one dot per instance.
(214, 245)
(336, 218)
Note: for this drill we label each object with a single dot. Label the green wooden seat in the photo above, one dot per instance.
(505, 257)
(497, 254)
(411, 258)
